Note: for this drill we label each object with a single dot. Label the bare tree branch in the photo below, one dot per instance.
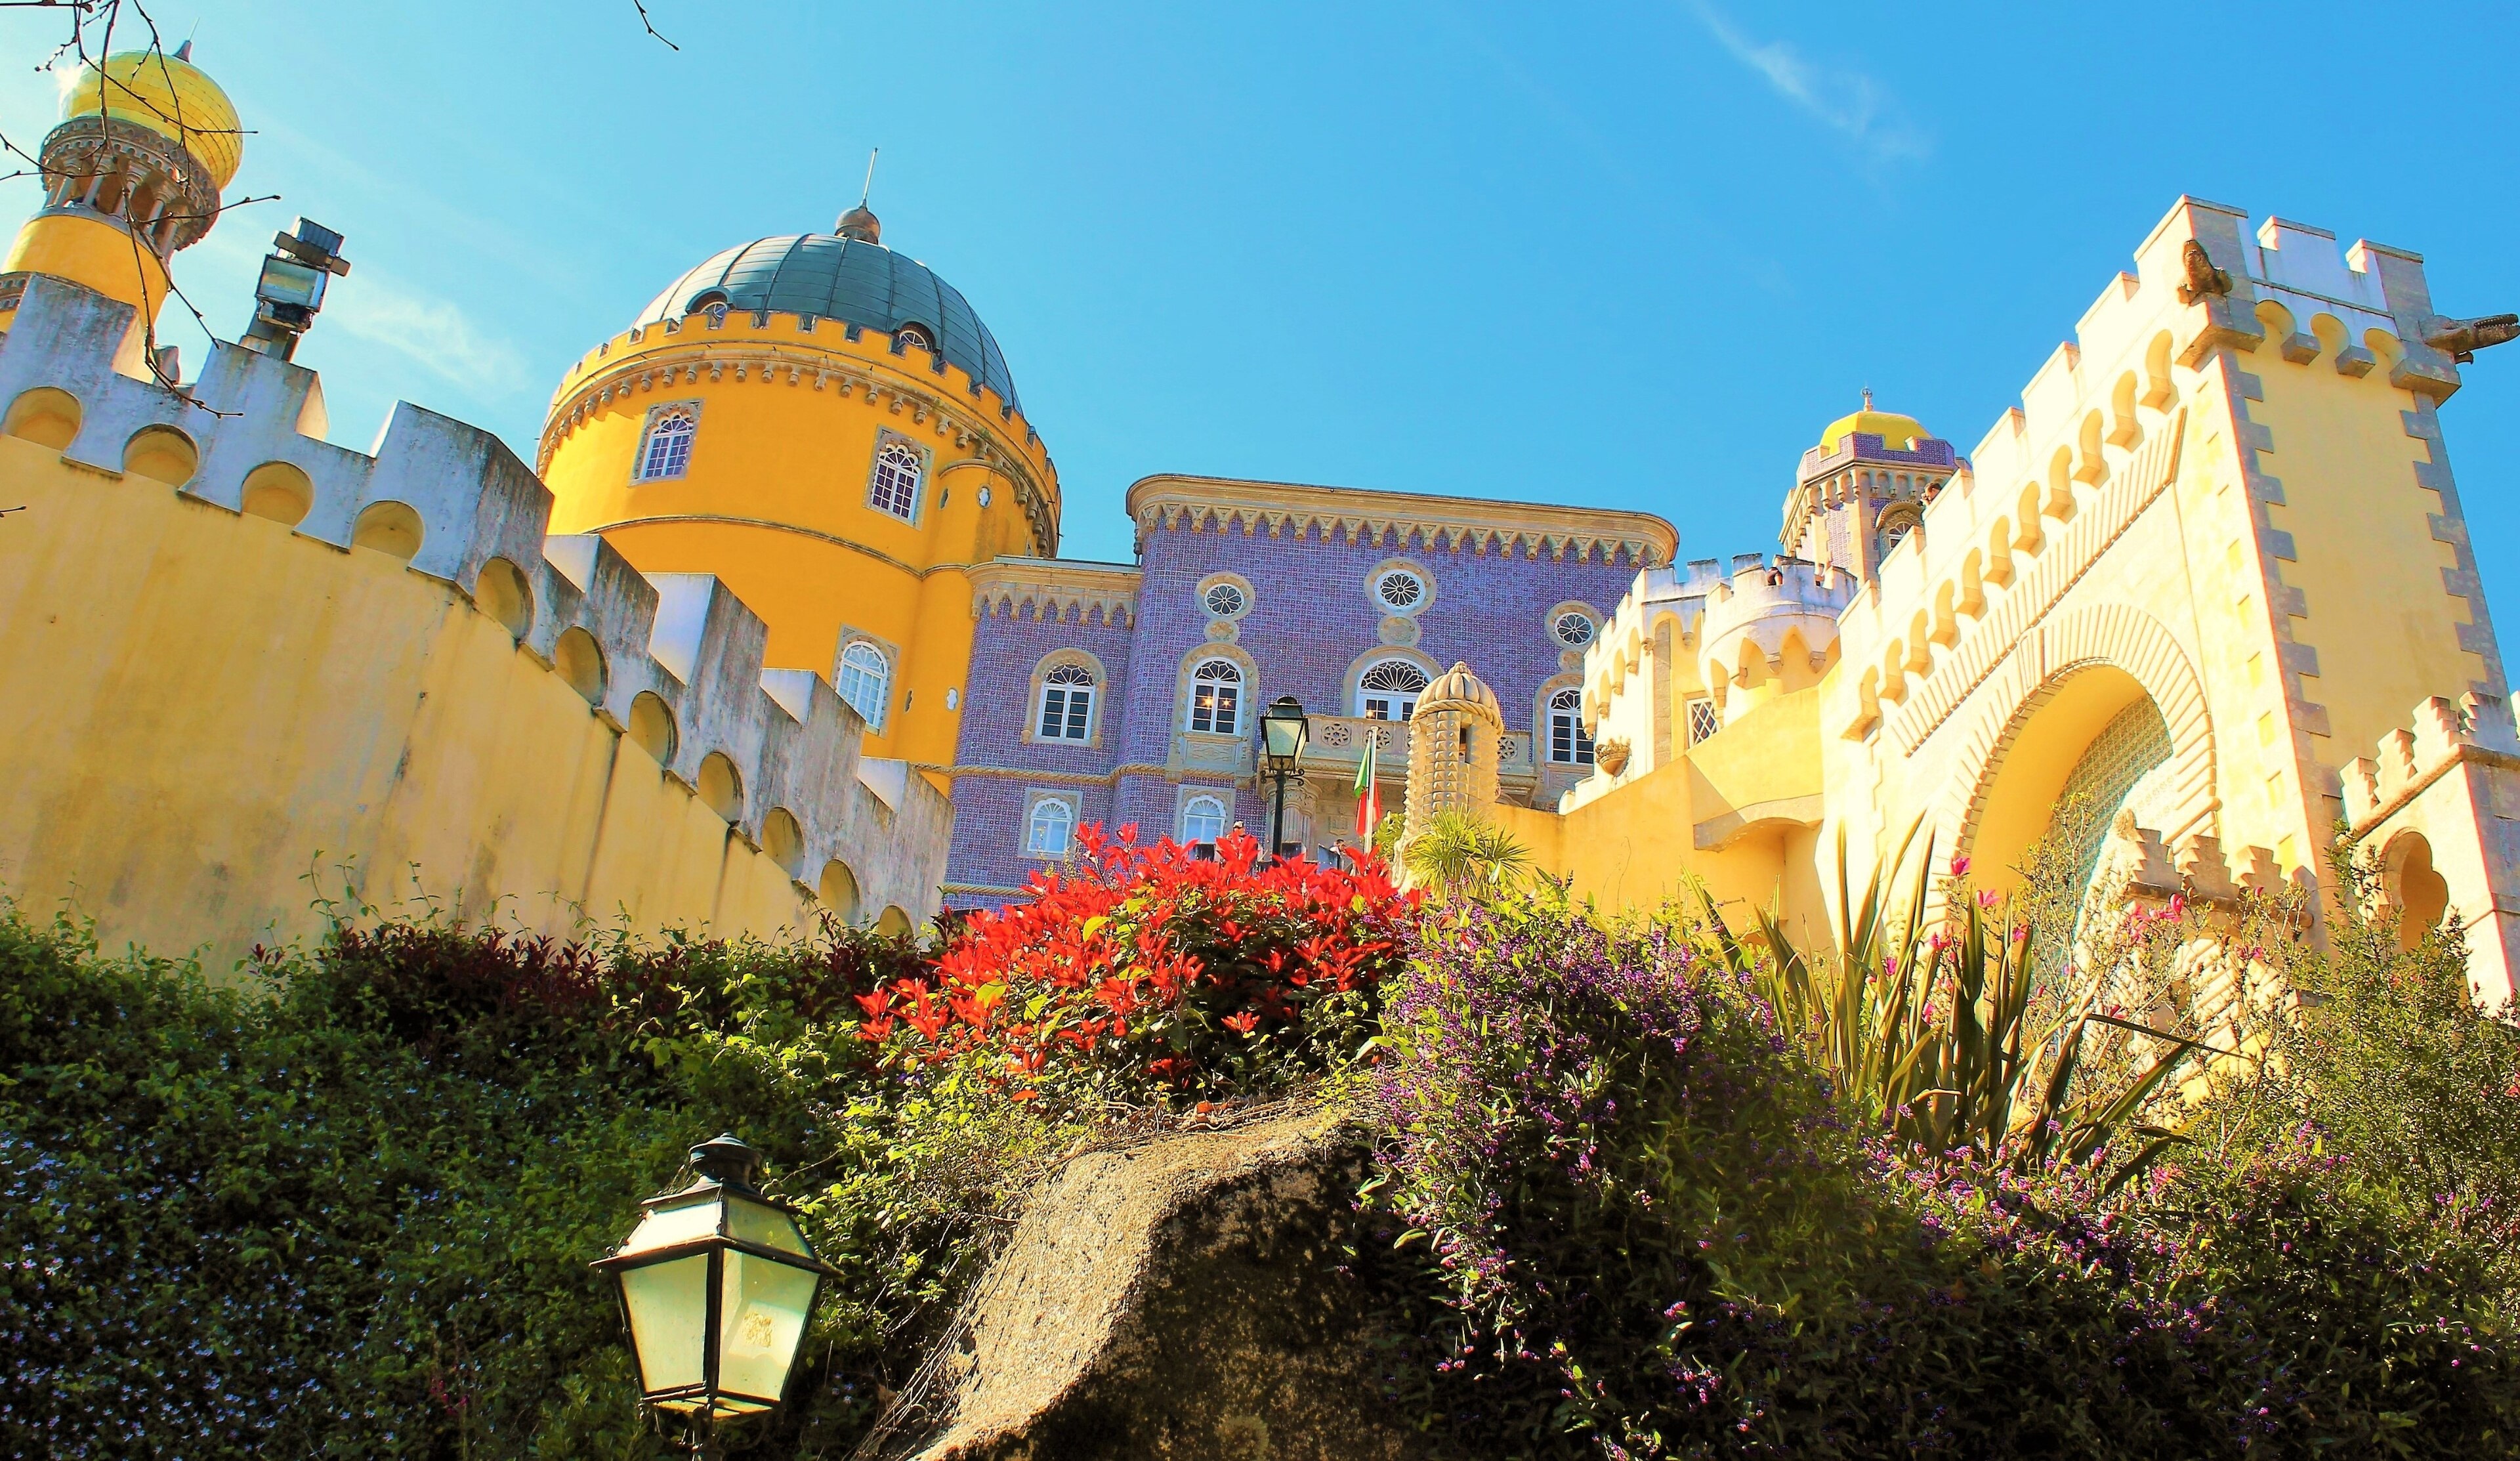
(651, 26)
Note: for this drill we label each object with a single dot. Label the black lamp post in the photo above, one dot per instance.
(1284, 731)
(717, 1285)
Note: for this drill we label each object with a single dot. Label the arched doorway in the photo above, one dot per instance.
(2091, 744)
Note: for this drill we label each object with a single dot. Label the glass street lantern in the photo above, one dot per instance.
(717, 1285)
(1284, 730)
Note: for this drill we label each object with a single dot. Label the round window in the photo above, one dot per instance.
(1224, 600)
(1400, 590)
(1574, 631)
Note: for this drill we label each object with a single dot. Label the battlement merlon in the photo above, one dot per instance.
(2438, 813)
(685, 639)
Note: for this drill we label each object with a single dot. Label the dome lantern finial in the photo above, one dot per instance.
(860, 224)
(1868, 398)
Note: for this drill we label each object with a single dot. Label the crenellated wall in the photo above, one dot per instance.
(2193, 571)
(233, 657)
(2226, 496)
(2437, 814)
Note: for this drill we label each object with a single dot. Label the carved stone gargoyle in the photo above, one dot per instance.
(1611, 756)
(2462, 338)
(2203, 278)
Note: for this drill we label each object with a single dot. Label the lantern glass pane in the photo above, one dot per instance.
(285, 281)
(668, 1304)
(1285, 736)
(748, 1221)
(764, 1307)
(663, 1227)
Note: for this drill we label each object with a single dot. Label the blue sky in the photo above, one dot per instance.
(1628, 256)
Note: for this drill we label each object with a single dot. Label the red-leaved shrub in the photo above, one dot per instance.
(1141, 970)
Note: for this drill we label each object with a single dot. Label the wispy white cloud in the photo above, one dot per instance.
(1847, 101)
(431, 331)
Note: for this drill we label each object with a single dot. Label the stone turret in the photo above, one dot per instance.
(1453, 743)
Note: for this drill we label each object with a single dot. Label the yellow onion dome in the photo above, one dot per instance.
(1894, 430)
(169, 96)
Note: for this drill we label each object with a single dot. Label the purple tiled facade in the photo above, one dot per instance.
(1309, 624)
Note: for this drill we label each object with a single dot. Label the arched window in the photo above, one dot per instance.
(1202, 820)
(1066, 703)
(1216, 697)
(1568, 746)
(915, 336)
(866, 681)
(1388, 690)
(668, 451)
(1049, 827)
(895, 488)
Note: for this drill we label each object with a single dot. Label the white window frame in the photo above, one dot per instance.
(1045, 810)
(1223, 817)
(1557, 629)
(1077, 693)
(1224, 710)
(1567, 714)
(1704, 720)
(855, 672)
(654, 438)
(894, 460)
(1367, 696)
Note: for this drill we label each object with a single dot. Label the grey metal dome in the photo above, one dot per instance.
(855, 281)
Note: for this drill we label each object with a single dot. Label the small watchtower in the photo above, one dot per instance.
(1453, 742)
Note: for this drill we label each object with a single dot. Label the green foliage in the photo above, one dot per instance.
(1930, 1038)
(348, 1209)
(2385, 1068)
(1459, 854)
(1659, 1237)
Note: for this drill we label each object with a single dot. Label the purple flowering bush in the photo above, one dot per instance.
(1657, 1235)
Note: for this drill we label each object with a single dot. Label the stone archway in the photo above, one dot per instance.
(2065, 684)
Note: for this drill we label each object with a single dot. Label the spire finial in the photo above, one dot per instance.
(858, 223)
(1868, 398)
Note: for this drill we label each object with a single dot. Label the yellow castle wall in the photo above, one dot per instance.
(775, 502)
(1754, 787)
(209, 718)
(2232, 505)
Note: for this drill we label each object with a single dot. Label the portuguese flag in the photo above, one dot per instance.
(1369, 794)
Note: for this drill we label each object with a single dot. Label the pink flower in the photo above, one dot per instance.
(1959, 867)
(1985, 899)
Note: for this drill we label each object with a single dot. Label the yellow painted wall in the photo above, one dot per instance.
(91, 251)
(775, 499)
(187, 784)
(2369, 570)
(1636, 846)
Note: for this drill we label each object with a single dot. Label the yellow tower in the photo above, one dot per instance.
(131, 174)
(1454, 737)
(828, 427)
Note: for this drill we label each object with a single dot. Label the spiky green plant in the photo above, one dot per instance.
(1927, 1034)
(1459, 854)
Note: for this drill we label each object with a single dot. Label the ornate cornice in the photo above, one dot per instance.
(1070, 592)
(837, 372)
(1202, 504)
